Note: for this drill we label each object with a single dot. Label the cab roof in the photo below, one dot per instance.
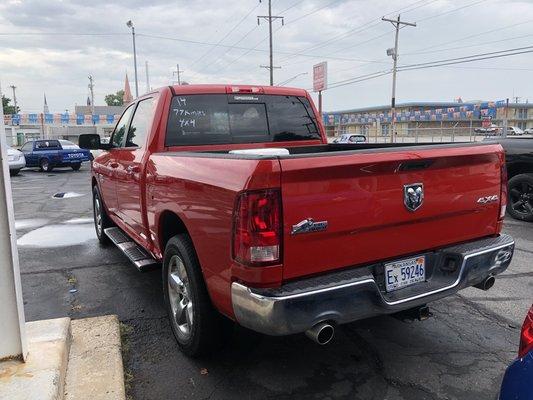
(234, 89)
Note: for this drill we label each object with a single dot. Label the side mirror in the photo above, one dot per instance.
(92, 142)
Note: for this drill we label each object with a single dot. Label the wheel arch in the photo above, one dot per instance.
(169, 225)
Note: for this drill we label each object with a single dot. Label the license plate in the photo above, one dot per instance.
(10, 158)
(402, 273)
(75, 155)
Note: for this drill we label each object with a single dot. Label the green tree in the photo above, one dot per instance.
(8, 109)
(116, 99)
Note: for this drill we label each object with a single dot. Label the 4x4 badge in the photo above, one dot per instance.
(413, 196)
(309, 225)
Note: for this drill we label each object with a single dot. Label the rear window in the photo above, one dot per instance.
(250, 118)
(47, 144)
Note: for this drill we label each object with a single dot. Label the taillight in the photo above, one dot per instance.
(503, 190)
(257, 228)
(526, 335)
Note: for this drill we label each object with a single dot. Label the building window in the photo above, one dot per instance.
(385, 129)
(364, 129)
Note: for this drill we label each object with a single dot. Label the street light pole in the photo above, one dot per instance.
(394, 53)
(129, 24)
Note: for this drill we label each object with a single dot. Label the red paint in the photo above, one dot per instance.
(360, 195)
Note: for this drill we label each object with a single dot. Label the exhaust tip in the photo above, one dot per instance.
(486, 284)
(321, 333)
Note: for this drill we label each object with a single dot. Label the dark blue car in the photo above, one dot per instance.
(49, 154)
(518, 379)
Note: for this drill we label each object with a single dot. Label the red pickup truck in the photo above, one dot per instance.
(255, 217)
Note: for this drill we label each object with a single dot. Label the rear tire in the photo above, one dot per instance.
(45, 166)
(101, 220)
(14, 172)
(76, 167)
(520, 201)
(197, 326)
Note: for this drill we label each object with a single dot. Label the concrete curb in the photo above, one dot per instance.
(95, 369)
(42, 376)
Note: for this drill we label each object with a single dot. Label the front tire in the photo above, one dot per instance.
(101, 220)
(520, 201)
(76, 167)
(14, 172)
(197, 326)
(45, 165)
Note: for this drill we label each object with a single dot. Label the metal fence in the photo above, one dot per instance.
(430, 135)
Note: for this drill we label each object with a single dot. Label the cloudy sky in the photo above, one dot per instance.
(52, 46)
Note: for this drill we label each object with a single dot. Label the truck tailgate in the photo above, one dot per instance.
(361, 196)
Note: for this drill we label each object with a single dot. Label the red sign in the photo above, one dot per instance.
(320, 76)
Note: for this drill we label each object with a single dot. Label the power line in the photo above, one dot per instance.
(408, 68)
(61, 34)
(477, 34)
(368, 25)
(386, 33)
(466, 57)
(226, 35)
(468, 46)
(435, 64)
(294, 5)
(312, 12)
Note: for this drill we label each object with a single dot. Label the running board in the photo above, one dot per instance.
(137, 255)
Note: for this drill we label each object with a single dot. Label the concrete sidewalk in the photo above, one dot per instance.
(73, 360)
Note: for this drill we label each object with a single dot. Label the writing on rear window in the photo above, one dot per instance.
(220, 118)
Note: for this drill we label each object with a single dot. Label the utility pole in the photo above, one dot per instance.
(394, 53)
(147, 77)
(505, 120)
(91, 89)
(129, 24)
(270, 18)
(177, 72)
(14, 97)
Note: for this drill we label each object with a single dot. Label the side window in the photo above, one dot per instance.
(140, 124)
(27, 147)
(117, 140)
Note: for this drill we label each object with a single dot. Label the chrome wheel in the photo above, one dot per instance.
(179, 298)
(98, 214)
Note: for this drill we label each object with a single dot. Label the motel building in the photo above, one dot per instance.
(428, 118)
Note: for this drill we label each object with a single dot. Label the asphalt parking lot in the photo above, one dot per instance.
(459, 353)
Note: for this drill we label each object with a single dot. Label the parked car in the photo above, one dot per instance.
(513, 130)
(528, 131)
(50, 154)
(350, 138)
(257, 219)
(519, 161)
(489, 131)
(16, 160)
(518, 378)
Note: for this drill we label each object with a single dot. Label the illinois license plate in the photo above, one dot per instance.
(402, 273)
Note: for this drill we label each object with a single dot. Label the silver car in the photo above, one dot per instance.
(16, 160)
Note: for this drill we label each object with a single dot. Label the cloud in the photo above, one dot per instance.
(53, 45)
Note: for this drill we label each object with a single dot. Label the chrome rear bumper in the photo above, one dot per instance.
(359, 293)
